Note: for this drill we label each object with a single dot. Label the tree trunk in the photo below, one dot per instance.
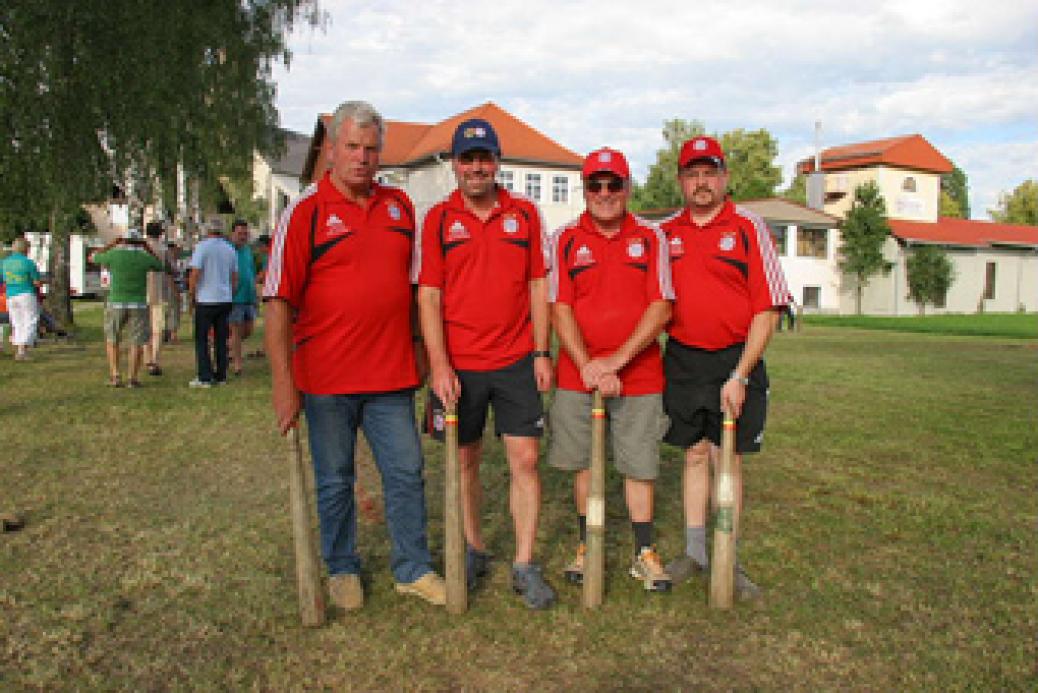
(857, 298)
(59, 300)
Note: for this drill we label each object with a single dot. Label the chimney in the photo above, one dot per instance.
(816, 179)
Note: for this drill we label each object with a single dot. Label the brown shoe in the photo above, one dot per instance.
(345, 591)
(10, 522)
(429, 587)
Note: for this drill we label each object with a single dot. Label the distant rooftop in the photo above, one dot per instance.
(907, 151)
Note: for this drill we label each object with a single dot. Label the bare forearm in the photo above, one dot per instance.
(645, 332)
(430, 316)
(761, 328)
(278, 341)
(539, 315)
(569, 334)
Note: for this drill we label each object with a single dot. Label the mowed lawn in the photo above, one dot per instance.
(892, 524)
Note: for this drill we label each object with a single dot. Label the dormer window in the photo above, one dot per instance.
(909, 184)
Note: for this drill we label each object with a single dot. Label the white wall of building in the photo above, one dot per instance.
(806, 272)
(921, 205)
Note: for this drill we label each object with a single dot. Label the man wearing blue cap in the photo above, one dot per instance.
(483, 303)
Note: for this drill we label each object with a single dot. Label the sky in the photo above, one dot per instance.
(589, 74)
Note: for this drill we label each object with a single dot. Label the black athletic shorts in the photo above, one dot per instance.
(692, 396)
(511, 390)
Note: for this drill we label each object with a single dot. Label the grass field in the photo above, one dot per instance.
(892, 524)
(1012, 325)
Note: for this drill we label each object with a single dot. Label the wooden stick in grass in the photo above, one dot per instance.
(594, 559)
(722, 565)
(454, 540)
(308, 575)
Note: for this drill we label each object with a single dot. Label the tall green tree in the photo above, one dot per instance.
(930, 275)
(864, 231)
(955, 194)
(95, 89)
(797, 190)
(661, 190)
(1019, 206)
(750, 156)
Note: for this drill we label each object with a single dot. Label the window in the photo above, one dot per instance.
(778, 234)
(533, 186)
(909, 184)
(506, 179)
(812, 297)
(989, 281)
(812, 242)
(560, 189)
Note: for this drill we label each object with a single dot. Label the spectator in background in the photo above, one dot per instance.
(243, 305)
(211, 283)
(128, 260)
(159, 289)
(21, 278)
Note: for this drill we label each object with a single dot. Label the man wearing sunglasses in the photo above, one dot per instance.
(730, 292)
(611, 297)
(482, 299)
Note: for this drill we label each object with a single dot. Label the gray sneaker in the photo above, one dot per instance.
(684, 568)
(745, 589)
(528, 582)
(477, 567)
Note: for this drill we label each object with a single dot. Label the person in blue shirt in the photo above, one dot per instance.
(243, 305)
(211, 285)
(22, 278)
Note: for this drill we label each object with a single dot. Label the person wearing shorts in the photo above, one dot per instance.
(128, 260)
(158, 294)
(730, 291)
(611, 296)
(243, 303)
(21, 279)
(482, 296)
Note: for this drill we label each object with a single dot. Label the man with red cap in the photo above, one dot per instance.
(611, 297)
(482, 298)
(730, 291)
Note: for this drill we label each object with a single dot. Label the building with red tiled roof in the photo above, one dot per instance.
(415, 156)
(996, 265)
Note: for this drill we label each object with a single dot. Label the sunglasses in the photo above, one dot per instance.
(613, 185)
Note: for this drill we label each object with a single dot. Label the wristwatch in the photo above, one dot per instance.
(735, 376)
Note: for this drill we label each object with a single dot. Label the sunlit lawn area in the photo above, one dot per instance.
(892, 524)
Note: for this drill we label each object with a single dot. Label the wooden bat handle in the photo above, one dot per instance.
(594, 558)
(722, 565)
(308, 572)
(454, 530)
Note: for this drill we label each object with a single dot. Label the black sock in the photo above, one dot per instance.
(582, 520)
(642, 535)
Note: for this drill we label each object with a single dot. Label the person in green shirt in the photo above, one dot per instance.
(243, 303)
(21, 278)
(128, 260)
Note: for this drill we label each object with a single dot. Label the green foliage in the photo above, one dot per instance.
(864, 232)
(94, 90)
(797, 190)
(955, 187)
(661, 189)
(930, 275)
(1019, 206)
(750, 156)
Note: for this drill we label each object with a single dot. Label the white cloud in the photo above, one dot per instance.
(593, 73)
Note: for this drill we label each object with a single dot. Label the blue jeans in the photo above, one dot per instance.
(387, 419)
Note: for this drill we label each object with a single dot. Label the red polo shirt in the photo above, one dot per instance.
(724, 273)
(609, 283)
(346, 270)
(483, 270)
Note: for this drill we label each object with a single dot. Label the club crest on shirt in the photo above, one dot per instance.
(511, 224)
(583, 258)
(336, 226)
(677, 247)
(394, 211)
(635, 248)
(457, 232)
(727, 241)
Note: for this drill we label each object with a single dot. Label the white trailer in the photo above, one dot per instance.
(84, 276)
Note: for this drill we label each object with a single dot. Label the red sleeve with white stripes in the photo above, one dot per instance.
(289, 262)
(768, 288)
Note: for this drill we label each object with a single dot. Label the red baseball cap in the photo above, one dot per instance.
(606, 160)
(701, 147)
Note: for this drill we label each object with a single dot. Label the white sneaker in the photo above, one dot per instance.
(196, 383)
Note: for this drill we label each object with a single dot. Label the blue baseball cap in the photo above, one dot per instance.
(475, 134)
